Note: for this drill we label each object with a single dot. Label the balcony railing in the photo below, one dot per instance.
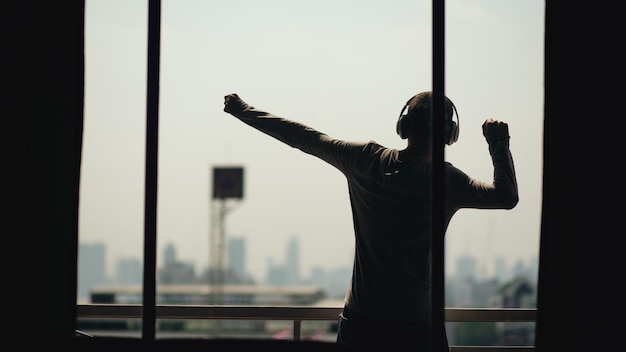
(298, 314)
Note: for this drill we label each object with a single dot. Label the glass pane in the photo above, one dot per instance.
(111, 213)
(343, 67)
(494, 68)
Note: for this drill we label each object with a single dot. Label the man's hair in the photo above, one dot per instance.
(415, 118)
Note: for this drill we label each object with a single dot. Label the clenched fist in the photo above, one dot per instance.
(233, 104)
(495, 131)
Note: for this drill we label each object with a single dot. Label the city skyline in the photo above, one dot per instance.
(92, 269)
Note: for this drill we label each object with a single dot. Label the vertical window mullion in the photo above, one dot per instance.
(148, 317)
(438, 191)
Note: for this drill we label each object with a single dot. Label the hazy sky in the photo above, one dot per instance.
(343, 67)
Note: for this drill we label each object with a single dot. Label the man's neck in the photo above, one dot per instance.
(415, 150)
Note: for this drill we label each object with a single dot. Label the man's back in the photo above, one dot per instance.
(390, 197)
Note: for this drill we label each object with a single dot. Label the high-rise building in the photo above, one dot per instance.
(91, 268)
(173, 270)
(292, 269)
(237, 257)
(169, 254)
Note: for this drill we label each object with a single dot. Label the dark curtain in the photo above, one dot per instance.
(41, 147)
(556, 278)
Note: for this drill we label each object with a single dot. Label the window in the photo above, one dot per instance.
(343, 67)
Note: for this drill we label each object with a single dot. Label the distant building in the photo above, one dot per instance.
(91, 268)
(174, 271)
(276, 274)
(129, 271)
(466, 267)
(292, 265)
(237, 260)
(287, 273)
(203, 294)
(459, 292)
(208, 294)
(169, 254)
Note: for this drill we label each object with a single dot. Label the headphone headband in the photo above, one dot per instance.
(406, 122)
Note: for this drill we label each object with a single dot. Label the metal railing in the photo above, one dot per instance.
(298, 314)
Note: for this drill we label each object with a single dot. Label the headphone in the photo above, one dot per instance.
(405, 124)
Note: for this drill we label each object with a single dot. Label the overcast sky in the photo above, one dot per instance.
(343, 67)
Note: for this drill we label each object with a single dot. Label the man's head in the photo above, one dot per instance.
(415, 122)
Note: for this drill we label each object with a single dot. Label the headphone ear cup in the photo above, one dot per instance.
(403, 121)
(400, 129)
(454, 133)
